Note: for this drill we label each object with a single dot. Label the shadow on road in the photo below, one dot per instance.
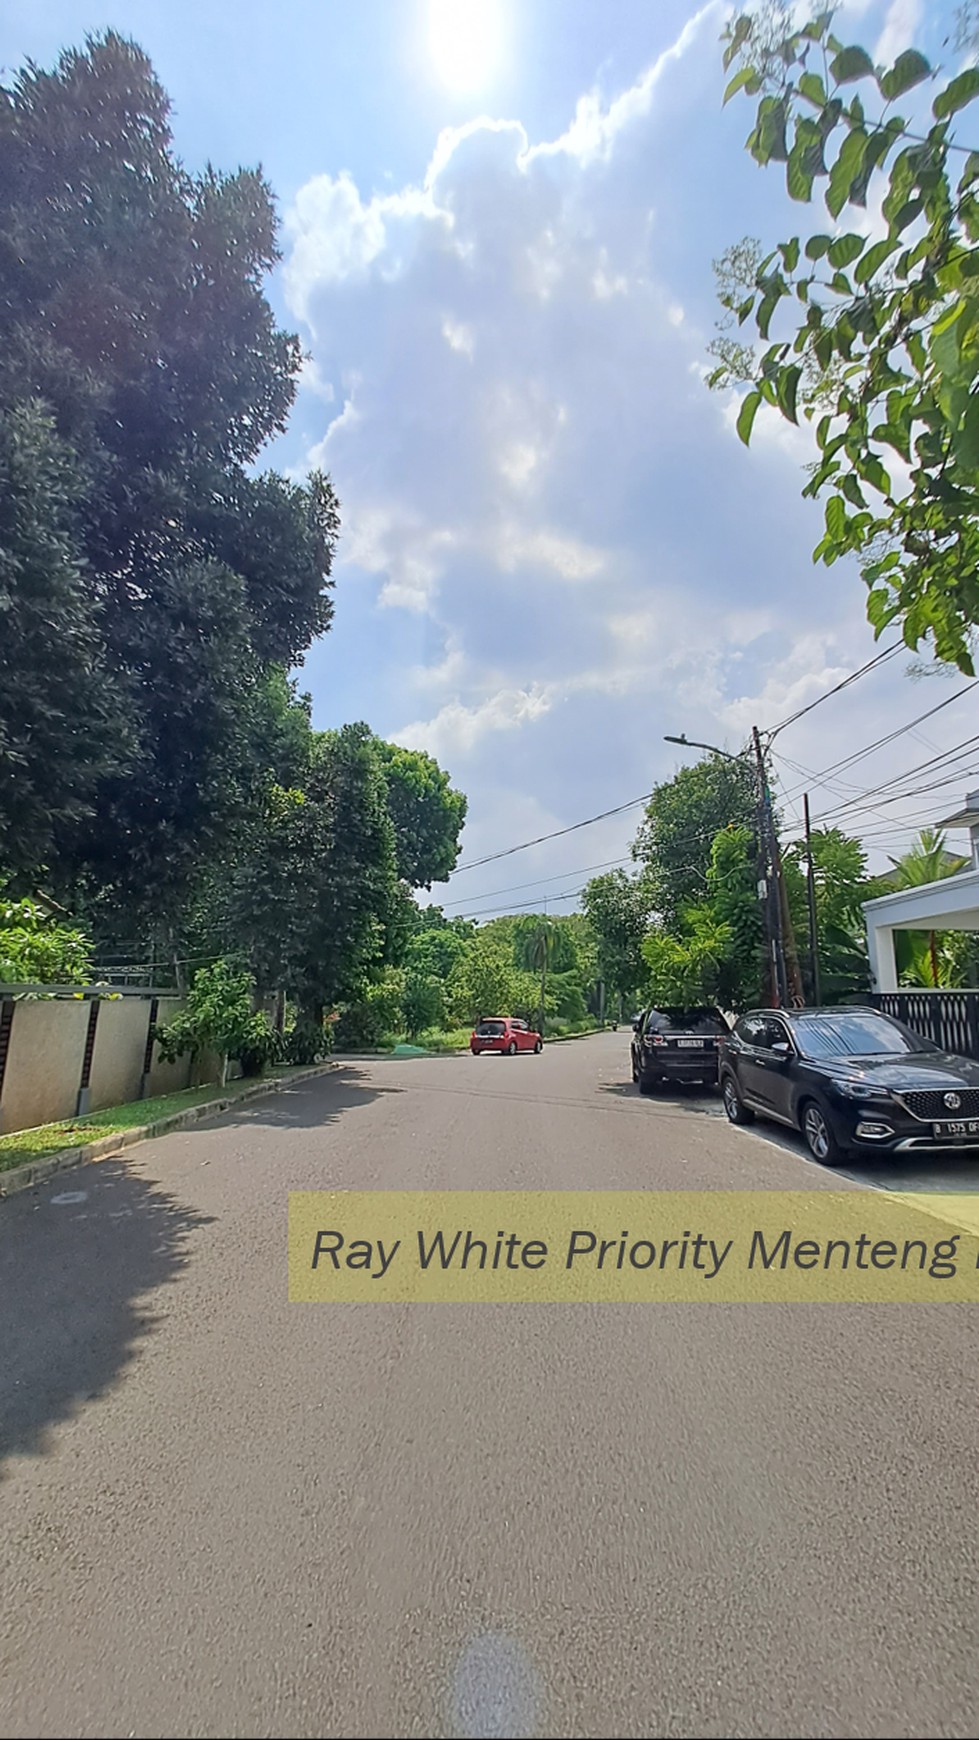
(75, 1260)
(309, 1104)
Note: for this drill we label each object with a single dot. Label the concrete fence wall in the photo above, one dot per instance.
(60, 1057)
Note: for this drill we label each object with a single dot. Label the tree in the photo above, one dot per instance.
(58, 725)
(428, 815)
(38, 948)
(732, 881)
(879, 334)
(925, 959)
(219, 1017)
(617, 908)
(483, 981)
(682, 818)
(136, 320)
(841, 886)
(424, 1002)
(686, 968)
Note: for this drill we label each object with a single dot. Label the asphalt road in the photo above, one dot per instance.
(224, 1514)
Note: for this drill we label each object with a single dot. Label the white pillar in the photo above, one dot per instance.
(880, 948)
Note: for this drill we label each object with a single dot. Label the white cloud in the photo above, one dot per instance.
(592, 134)
(456, 728)
(540, 498)
(901, 26)
(567, 557)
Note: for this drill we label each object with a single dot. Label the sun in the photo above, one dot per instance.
(464, 40)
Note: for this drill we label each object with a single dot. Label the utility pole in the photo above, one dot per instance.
(811, 891)
(770, 877)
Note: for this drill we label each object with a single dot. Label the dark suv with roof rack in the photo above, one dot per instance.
(852, 1080)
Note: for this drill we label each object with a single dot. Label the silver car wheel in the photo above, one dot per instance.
(816, 1132)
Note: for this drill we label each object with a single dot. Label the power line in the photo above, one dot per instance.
(492, 857)
(854, 676)
(859, 754)
(515, 887)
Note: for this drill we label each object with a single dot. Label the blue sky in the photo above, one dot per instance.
(555, 549)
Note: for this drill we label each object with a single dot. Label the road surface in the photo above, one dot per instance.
(222, 1514)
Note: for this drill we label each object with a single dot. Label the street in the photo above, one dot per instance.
(224, 1514)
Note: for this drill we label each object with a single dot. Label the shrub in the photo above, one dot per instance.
(219, 1017)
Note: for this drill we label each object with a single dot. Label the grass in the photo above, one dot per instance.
(22, 1146)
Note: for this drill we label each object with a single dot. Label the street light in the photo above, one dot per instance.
(710, 747)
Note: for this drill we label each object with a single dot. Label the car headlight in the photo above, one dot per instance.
(860, 1090)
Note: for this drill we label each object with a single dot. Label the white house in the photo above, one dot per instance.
(949, 904)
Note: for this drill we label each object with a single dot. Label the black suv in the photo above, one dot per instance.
(852, 1080)
(676, 1045)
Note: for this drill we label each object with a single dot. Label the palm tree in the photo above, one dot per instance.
(536, 947)
(928, 860)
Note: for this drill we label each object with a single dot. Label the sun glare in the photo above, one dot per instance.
(464, 39)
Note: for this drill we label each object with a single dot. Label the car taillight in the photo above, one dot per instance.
(657, 1038)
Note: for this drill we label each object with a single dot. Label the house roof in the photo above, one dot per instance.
(964, 818)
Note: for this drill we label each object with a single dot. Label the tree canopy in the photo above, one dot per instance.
(681, 820)
(141, 373)
(870, 329)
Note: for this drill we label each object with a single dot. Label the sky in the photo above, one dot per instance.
(499, 219)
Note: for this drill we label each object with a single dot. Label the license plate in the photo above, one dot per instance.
(697, 1043)
(952, 1127)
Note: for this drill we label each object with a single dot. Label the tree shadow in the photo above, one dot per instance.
(77, 1257)
(307, 1104)
(82, 1256)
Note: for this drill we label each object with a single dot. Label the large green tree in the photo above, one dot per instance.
(871, 331)
(59, 731)
(681, 820)
(135, 319)
(617, 908)
(428, 815)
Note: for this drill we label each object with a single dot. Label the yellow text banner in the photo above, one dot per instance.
(629, 1247)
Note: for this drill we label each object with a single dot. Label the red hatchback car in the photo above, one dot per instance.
(501, 1034)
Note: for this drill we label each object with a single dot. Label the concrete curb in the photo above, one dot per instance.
(36, 1171)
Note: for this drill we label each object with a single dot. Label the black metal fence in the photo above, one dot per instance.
(950, 1018)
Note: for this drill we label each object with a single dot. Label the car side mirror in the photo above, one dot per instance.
(782, 1048)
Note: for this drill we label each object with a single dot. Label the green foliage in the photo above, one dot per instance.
(931, 958)
(141, 373)
(617, 909)
(424, 1002)
(483, 981)
(35, 949)
(687, 967)
(880, 337)
(732, 881)
(307, 1041)
(428, 815)
(374, 1016)
(681, 820)
(58, 730)
(841, 886)
(219, 1017)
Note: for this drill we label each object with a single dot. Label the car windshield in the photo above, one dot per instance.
(692, 1020)
(856, 1035)
(490, 1029)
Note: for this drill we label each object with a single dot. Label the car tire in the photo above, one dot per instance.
(734, 1106)
(635, 1072)
(511, 1050)
(817, 1133)
(538, 1048)
(647, 1083)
